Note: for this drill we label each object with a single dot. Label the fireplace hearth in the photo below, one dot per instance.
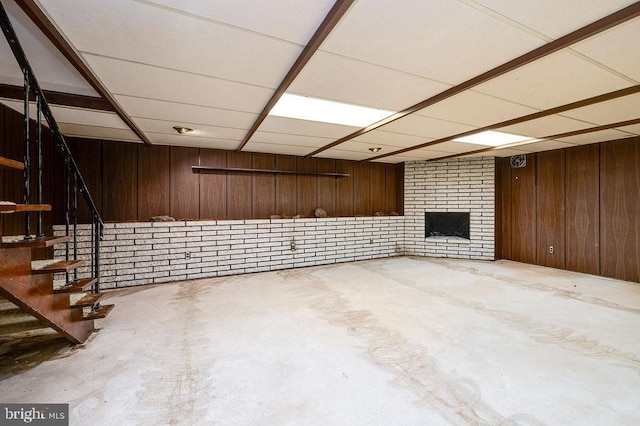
(446, 224)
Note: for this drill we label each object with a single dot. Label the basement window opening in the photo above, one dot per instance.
(446, 224)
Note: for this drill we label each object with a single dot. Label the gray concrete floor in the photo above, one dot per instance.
(399, 341)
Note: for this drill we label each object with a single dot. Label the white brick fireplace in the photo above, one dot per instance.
(457, 185)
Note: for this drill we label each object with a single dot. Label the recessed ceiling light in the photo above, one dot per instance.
(182, 130)
(306, 108)
(492, 138)
(376, 149)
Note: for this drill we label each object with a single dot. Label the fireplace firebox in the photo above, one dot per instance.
(446, 224)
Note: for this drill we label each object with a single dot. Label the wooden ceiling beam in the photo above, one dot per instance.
(328, 24)
(545, 138)
(567, 40)
(536, 115)
(33, 11)
(9, 91)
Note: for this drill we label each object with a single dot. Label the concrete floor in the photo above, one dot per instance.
(399, 341)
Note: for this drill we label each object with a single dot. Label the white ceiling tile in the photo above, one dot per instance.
(594, 137)
(613, 111)
(546, 145)
(442, 40)
(211, 132)
(94, 132)
(426, 127)
(454, 147)
(555, 80)
(127, 78)
(340, 154)
(505, 152)
(52, 70)
(289, 139)
(616, 48)
(274, 148)
(181, 114)
(72, 115)
(546, 126)
(380, 137)
(156, 36)
(555, 18)
(362, 83)
(289, 20)
(305, 127)
(363, 147)
(193, 141)
(475, 109)
(634, 128)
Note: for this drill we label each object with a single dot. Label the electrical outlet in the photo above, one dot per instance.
(187, 255)
(550, 249)
(293, 245)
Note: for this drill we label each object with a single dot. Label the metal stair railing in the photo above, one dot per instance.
(73, 178)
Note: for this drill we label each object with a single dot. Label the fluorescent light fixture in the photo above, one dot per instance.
(306, 108)
(492, 138)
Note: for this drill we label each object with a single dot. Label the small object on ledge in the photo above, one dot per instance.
(274, 216)
(320, 212)
(285, 215)
(378, 214)
(162, 219)
(298, 216)
(394, 214)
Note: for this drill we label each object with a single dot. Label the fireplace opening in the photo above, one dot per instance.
(450, 224)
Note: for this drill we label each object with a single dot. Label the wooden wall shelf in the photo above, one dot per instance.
(202, 169)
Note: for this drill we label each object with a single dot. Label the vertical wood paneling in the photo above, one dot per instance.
(185, 185)
(523, 230)
(263, 186)
(213, 187)
(361, 196)
(345, 188)
(119, 186)
(238, 186)
(286, 186)
(583, 211)
(90, 165)
(503, 209)
(307, 187)
(377, 188)
(400, 188)
(390, 184)
(620, 209)
(13, 180)
(550, 209)
(327, 186)
(153, 181)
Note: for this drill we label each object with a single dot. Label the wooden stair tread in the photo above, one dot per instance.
(88, 300)
(102, 312)
(10, 207)
(11, 164)
(77, 286)
(16, 241)
(54, 266)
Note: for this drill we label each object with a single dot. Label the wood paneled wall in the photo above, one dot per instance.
(137, 182)
(582, 201)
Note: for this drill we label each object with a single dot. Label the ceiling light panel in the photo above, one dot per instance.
(289, 20)
(475, 109)
(616, 48)
(127, 78)
(492, 138)
(441, 40)
(554, 80)
(555, 18)
(362, 83)
(325, 111)
(305, 128)
(159, 37)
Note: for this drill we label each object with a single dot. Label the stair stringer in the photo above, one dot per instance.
(34, 295)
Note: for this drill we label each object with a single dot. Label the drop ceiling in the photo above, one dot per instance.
(214, 66)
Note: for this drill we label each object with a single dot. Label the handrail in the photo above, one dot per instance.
(21, 58)
(72, 172)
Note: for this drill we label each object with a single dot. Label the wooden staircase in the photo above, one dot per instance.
(28, 284)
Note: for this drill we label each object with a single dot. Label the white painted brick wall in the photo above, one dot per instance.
(456, 185)
(149, 253)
